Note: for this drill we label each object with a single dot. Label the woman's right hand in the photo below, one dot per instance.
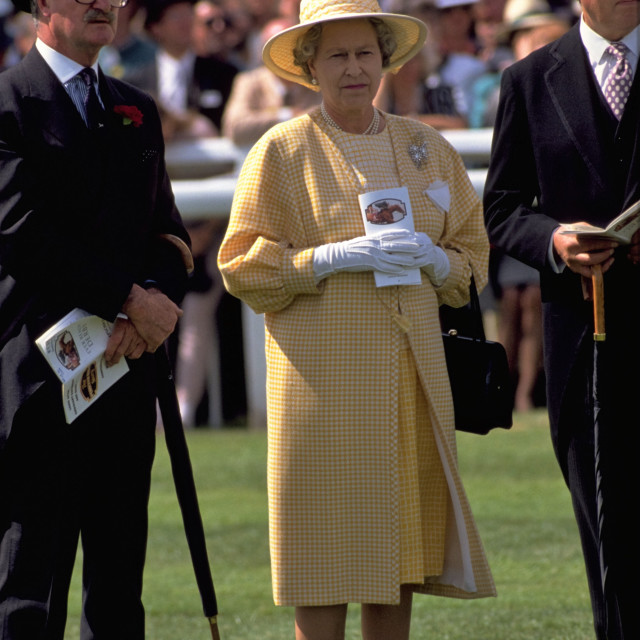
(388, 252)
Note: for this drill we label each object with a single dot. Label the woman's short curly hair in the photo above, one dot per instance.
(307, 44)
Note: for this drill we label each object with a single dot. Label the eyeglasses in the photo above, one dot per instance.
(116, 4)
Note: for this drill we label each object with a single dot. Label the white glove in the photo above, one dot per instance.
(432, 260)
(389, 252)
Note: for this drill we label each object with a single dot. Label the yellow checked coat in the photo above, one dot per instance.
(333, 361)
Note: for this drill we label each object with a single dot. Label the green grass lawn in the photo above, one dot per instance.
(521, 506)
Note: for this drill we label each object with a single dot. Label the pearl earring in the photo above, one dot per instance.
(314, 81)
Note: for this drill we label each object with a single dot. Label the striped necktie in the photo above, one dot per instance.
(94, 113)
(618, 82)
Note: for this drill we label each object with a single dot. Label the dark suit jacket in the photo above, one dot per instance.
(208, 91)
(559, 156)
(81, 215)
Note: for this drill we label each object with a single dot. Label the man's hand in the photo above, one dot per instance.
(151, 318)
(124, 341)
(634, 248)
(153, 315)
(579, 253)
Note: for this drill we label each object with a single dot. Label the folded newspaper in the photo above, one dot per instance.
(74, 348)
(620, 229)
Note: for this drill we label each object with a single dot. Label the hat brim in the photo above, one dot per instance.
(529, 22)
(277, 53)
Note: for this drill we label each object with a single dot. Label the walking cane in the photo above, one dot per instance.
(599, 334)
(185, 488)
(599, 418)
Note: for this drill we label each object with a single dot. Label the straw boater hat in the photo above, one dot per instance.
(277, 54)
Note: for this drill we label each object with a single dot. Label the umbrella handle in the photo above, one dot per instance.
(598, 303)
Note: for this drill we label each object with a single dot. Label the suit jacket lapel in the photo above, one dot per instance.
(52, 111)
(574, 93)
(579, 104)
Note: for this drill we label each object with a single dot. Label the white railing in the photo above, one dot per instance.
(203, 176)
(204, 172)
(474, 145)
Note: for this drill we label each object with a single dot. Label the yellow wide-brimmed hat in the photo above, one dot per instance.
(410, 34)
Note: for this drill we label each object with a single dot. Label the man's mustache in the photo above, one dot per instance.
(96, 14)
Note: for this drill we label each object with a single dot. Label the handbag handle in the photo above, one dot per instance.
(477, 330)
(474, 301)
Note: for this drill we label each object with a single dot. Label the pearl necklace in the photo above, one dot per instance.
(371, 130)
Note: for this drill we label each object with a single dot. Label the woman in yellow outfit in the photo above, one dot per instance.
(365, 499)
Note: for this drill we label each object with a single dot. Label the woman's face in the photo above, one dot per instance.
(348, 65)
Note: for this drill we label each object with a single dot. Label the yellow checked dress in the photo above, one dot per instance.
(364, 490)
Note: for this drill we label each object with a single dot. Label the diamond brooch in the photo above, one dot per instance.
(418, 151)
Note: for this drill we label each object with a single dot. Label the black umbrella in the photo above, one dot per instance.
(599, 420)
(185, 488)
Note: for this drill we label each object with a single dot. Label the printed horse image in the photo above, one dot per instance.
(382, 212)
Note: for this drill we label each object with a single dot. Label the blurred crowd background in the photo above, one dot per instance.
(201, 60)
(452, 84)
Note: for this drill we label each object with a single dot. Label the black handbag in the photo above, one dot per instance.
(479, 376)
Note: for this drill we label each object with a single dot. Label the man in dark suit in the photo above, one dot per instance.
(561, 154)
(191, 90)
(88, 220)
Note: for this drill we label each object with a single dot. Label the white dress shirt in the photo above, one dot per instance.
(66, 70)
(174, 77)
(602, 62)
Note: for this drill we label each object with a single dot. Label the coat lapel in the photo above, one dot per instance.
(574, 93)
(50, 104)
(49, 109)
(123, 143)
(580, 106)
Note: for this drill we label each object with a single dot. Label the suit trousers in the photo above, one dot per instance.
(89, 480)
(614, 598)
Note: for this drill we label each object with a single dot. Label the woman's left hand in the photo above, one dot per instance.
(431, 259)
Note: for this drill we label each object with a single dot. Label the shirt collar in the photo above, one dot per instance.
(595, 44)
(183, 63)
(63, 67)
